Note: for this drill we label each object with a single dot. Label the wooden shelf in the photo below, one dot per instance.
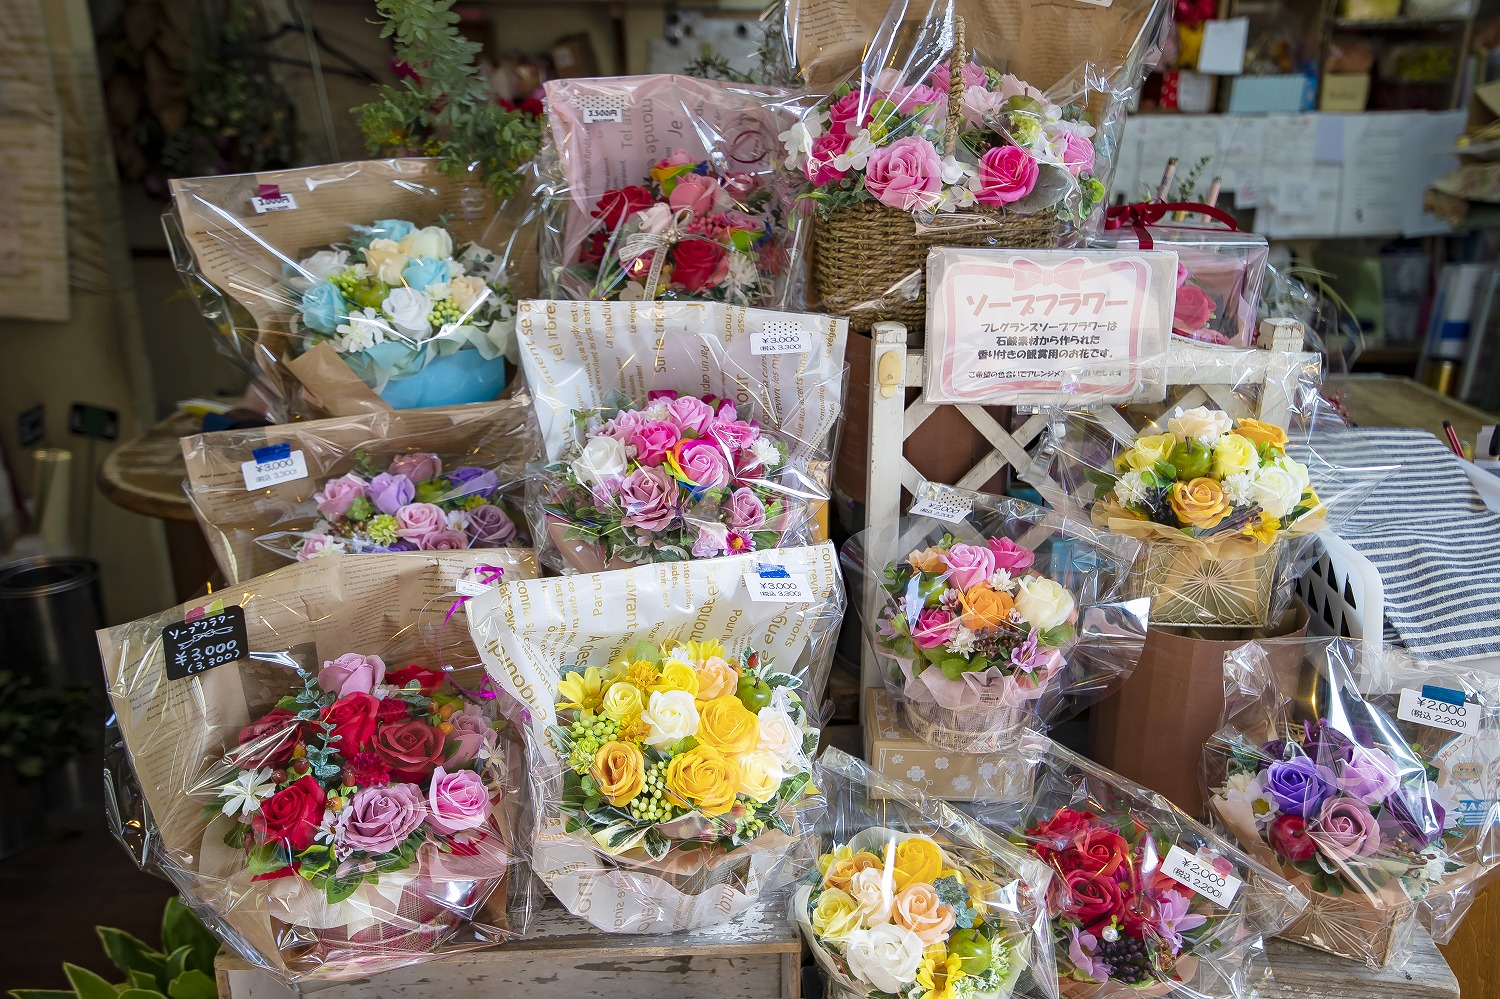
(1402, 24)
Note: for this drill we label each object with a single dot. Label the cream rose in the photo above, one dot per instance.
(875, 895)
(780, 736)
(1277, 487)
(1042, 603)
(385, 260)
(919, 910)
(761, 775)
(670, 716)
(324, 264)
(1234, 454)
(408, 311)
(604, 457)
(836, 916)
(623, 701)
(467, 292)
(432, 242)
(1201, 424)
(886, 956)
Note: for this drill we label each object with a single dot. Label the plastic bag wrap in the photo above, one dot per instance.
(677, 430)
(1142, 897)
(311, 863)
(912, 898)
(663, 187)
(670, 712)
(991, 615)
(1379, 805)
(368, 285)
(404, 480)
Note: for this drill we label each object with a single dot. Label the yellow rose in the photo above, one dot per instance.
(704, 778)
(928, 560)
(985, 609)
(728, 726)
(836, 916)
(1234, 454)
(761, 775)
(677, 676)
(838, 853)
(842, 870)
(717, 678)
(918, 860)
(623, 700)
(620, 770)
(1147, 452)
(1200, 503)
(1257, 432)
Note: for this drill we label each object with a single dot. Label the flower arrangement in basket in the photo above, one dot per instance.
(683, 234)
(680, 477)
(421, 323)
(408, 504)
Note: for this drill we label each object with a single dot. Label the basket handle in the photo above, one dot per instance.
(956, 60)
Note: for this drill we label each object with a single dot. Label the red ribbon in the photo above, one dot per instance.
(1148, 213)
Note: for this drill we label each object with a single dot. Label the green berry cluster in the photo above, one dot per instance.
(589, 733)
(652, 804)
(444, 311)
(345, 281)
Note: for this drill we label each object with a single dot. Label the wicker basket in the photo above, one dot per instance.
(1190, 590)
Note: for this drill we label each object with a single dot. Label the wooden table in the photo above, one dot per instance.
(1388, 401)
(145, 476)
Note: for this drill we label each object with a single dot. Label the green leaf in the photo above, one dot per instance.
(342, 888)
(657, 844)
(1056, 637)
(236, 836)
(131, 954)
(177, 961)
(139, 994)
(143, 980)
(43, 994)
(87, 985)
(180, 927)
(953, 668)
(266, 858)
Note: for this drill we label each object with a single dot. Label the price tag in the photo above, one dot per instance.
(199, 645)
(949, 507)
(772, 583)
(279, 203)
(1199, 874)
(273, 464)
(469, 587)
(781, 338)
(598, 108)
(1430, 707)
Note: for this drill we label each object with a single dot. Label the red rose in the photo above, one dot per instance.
(268, 742)
(291, 815)
(353, 719)
(594, 248)
(618, 205)
(699, 264)
(1098, 849)
(428, 679)
(1089, 898)
(392, 709)
(412, 748)
(1050, 838)
(1193, 311)
(1289, 838)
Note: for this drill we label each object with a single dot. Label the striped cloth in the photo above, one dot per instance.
(1436, 544)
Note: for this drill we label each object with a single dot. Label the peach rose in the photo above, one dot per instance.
(1257, 432)
(928, 560)
(842, 871)
(918, 909)
(1200, 503)
(716, 678)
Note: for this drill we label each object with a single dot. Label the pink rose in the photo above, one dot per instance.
(974, 75)
(318, 544)
(679, 157)
(418, 467)
(471, 733)
(1013, 86)
(489, 526)
(1011, 557)
(820, 168)
(653, 440)
(699, 463)
(624, 426)
(418, 521)
(1193, 310)
(457, 801)
(969, 565)
(845, 114)
(449, 540)
(907, 174)
(933, 628)
(1076, 153)
(380, 818)
(1345, 829)
(908, 99)
(690, 414)
(352, 673)
(697, 192)
(736, 219)
(649, 498)
(735, 435)
(1006, 174)
(746, 511)
(338, 495)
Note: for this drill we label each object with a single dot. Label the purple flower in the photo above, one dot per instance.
(712, 540)
(390, 493)
(1024, 656)
(1412, 815)
(649, 499)
(399, 546)
(418, 467)
(1081, 949)
(746, 511)
(490, 526)
(1299, 786)
(471, 481)
(1367, 774)
(1173, 917)
(380, 818)
(1345, 829)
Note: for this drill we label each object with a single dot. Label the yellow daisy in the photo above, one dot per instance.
(701, 652)
(583, 692)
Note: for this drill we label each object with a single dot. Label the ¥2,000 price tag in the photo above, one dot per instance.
(1417, 707)
(943, 506)
(277, 463)
(783, 588)
(199, 645)
(1199, 874)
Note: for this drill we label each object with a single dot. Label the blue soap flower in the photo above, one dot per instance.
(323, 307)
(392, 229)
(423, 271)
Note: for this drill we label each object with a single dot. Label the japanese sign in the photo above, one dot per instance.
(1017, 327)
(205, 642)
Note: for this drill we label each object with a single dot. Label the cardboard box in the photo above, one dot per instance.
(1344, 92)
(892, 749)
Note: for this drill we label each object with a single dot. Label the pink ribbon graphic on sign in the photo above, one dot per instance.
(1068, 274)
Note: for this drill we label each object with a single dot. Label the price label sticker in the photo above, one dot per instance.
(199, 645)
(278, 203)
(949, 507)
(273, 464)
(781, 338)
(1429, 707)
(1201, 875)
(784, 587)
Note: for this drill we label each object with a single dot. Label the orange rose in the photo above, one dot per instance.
(919, 910)
(728, 726)
(842, 871)
(985, 608)
(928, 560)
(1257, 432)
(620, 769)
(716, 678)
(1200, 503)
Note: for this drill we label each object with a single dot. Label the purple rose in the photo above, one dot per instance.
(471, 733)
(417, 522)
(746, 511)
(1345, 829)
(471, 481)
(447, 540)
(351, 673)
(1411, 815)
(380, 818)
(1367, 774)
(699, 463)
(653, 441)
(1011, 557)
(338, 495)
(690, 414)
(390, 493)
(969, 565)
(457, 801)
(490, 526)
(418, 467)
(649, 499)
(1299, 786)
(399, 546)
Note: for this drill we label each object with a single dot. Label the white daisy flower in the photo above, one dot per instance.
(1131, 488)
(245, 793)
(766, 453)
(1002, 581)
(962, 641)
(1237, 488)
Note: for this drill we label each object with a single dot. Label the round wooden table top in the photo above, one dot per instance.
(146, 475)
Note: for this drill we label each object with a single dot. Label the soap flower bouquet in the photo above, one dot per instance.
(676, 478)
(684, 233)
(1194, 310)
(408, 504)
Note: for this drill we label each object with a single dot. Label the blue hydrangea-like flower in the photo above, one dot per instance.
(392, 229)
(323, 307)
(423, 271)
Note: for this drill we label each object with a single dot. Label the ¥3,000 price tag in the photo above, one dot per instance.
(1199, 874)
(783, 588)
(781, 338)
(270, 465)
(1417, 707)
(943, 506)
(201, 644)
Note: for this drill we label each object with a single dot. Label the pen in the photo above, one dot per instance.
(1453, 443)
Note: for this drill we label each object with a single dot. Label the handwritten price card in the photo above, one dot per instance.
(1017, 327)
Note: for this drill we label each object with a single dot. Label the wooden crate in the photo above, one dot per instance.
(755, 956)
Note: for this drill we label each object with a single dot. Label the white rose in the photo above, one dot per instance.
(874, 894)
(432, 242)
(1276, 490)
(780, 736)
(655, 219)
(761, 775)
(324, 264)
(670, 716)
(1201, 424)
(1043, 603)
(467, 292)
(604, 457)
(886, 956)
(408, 311)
